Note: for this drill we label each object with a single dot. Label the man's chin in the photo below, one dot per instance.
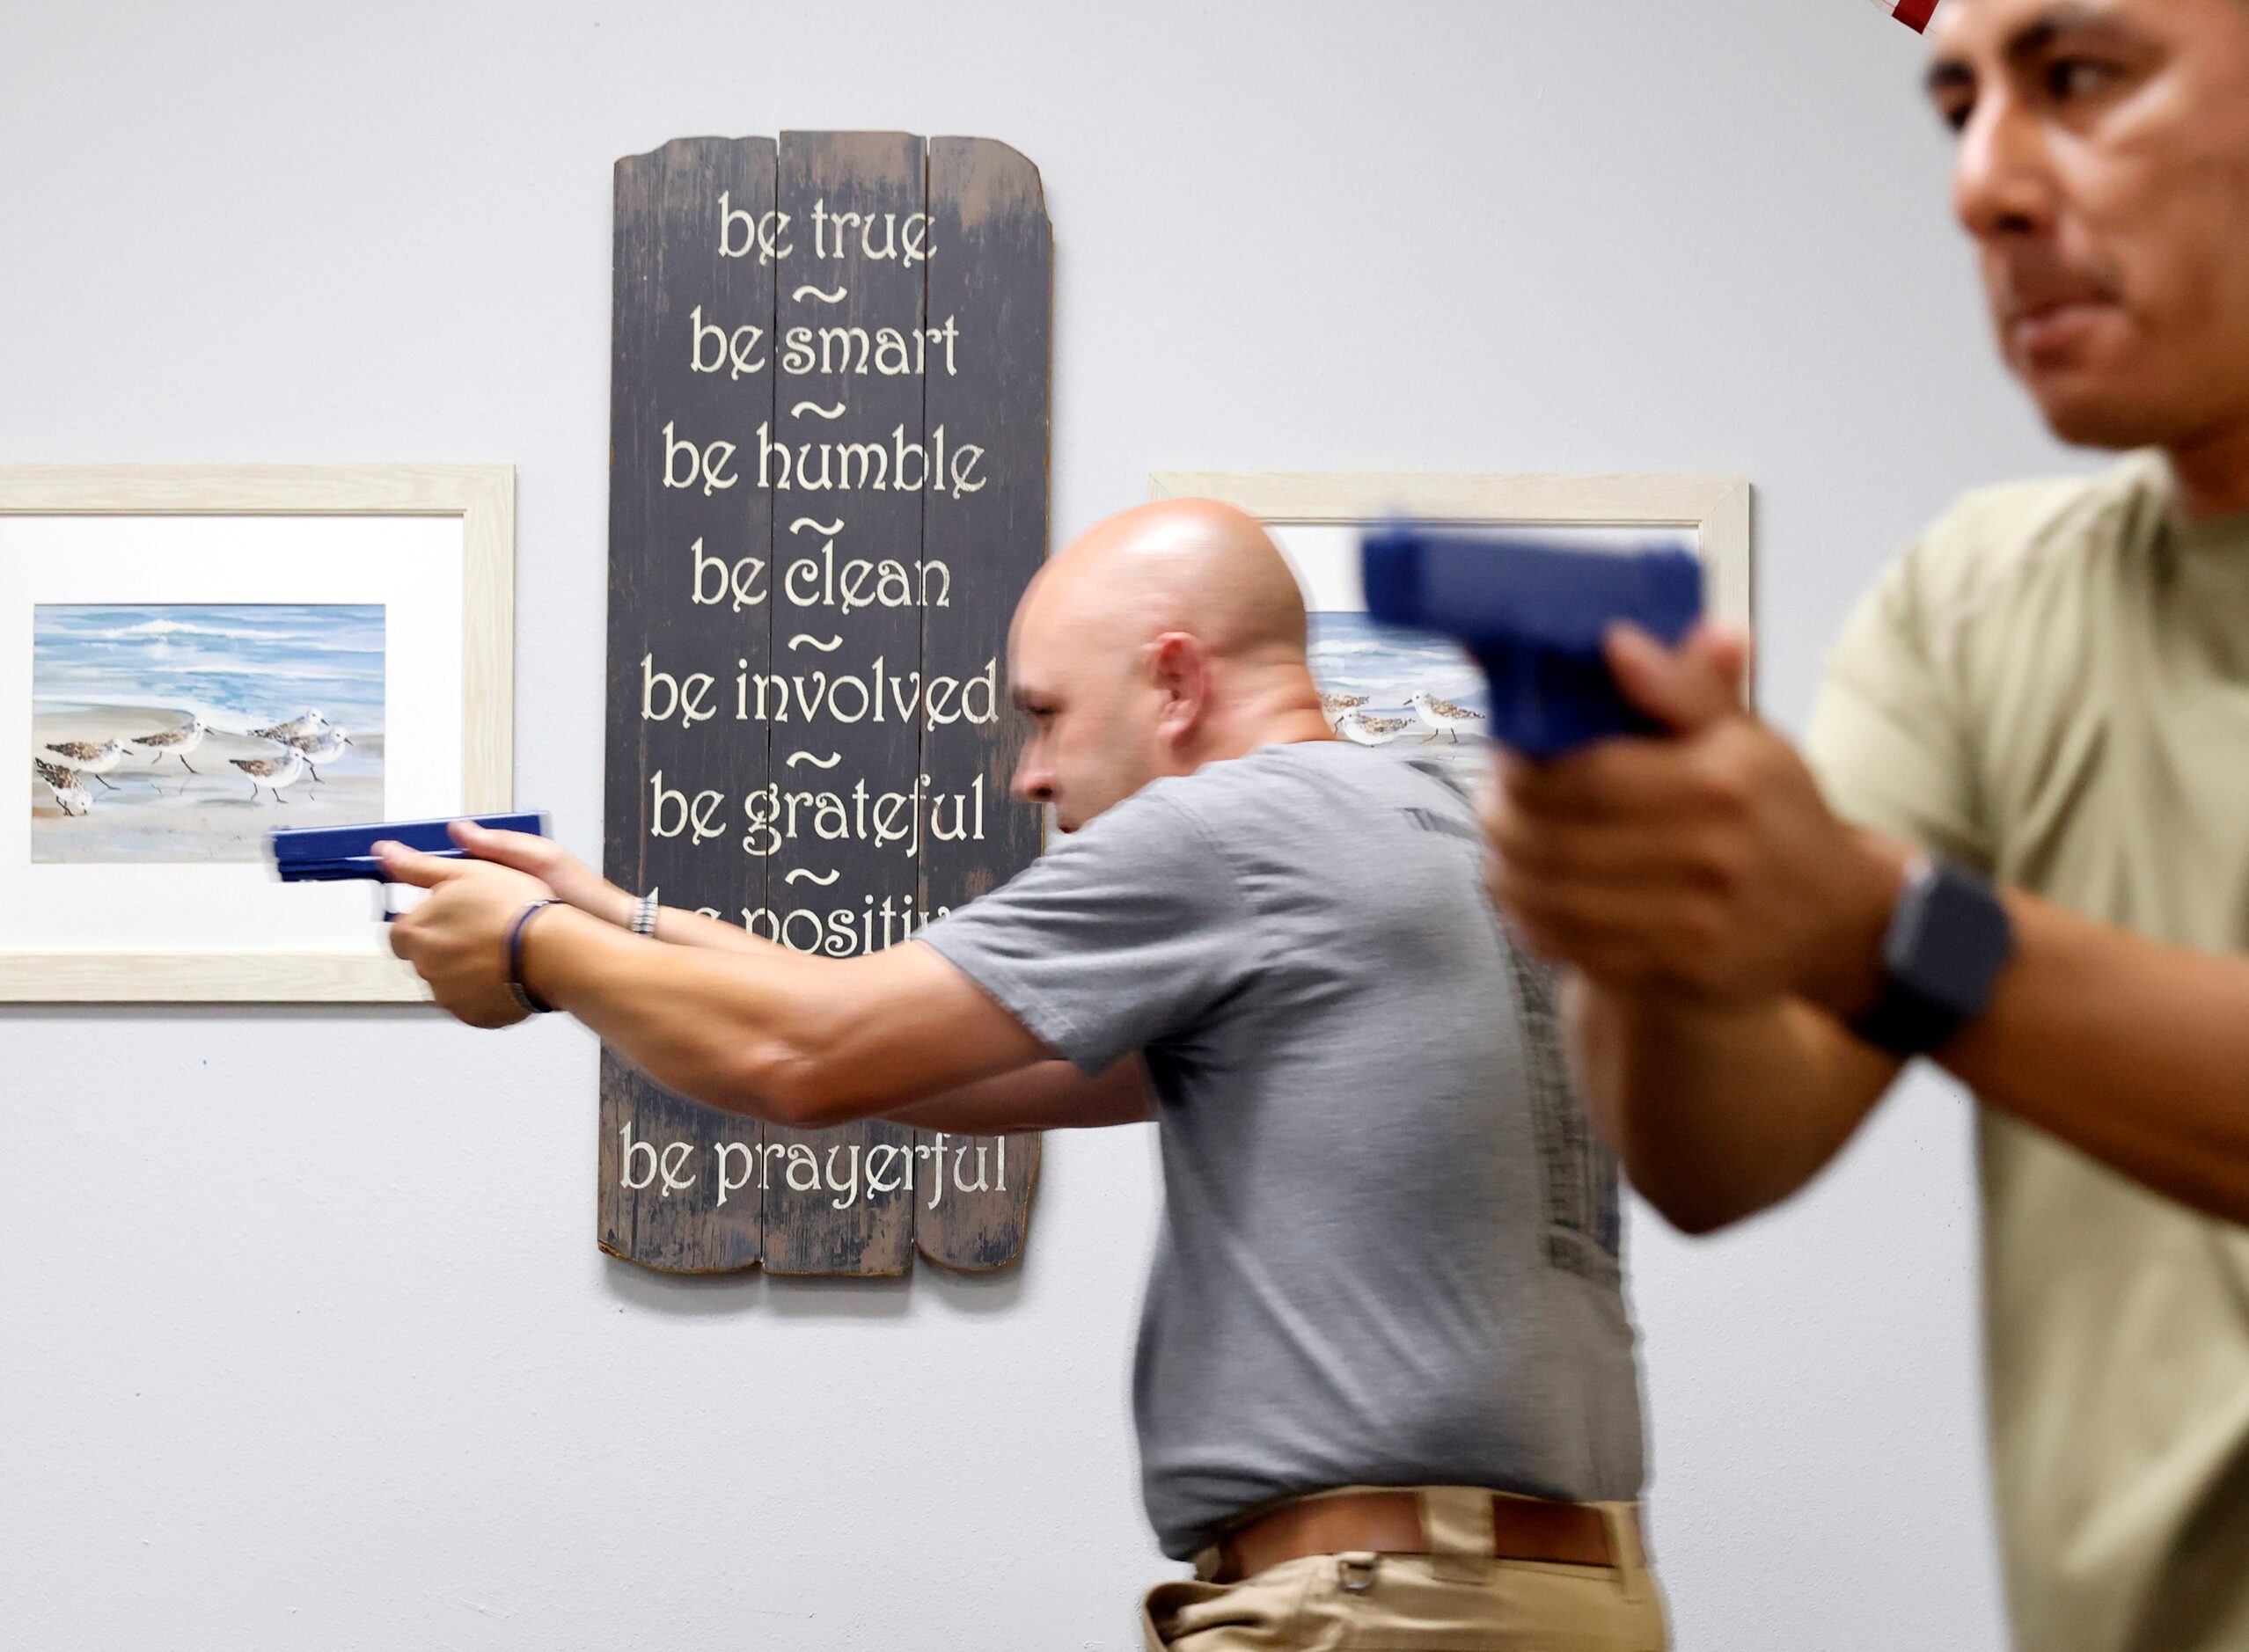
(2089, 414)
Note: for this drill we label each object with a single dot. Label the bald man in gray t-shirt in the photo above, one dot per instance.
(1389, 1249)
(1386, 1390)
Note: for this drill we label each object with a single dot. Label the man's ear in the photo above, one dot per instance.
(1183, 677)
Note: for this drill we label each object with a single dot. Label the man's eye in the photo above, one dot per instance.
(2069, 77)
(1951, 91)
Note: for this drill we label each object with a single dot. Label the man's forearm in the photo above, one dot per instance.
(713, 1023)
(799, 1039)
(1719, 1111)
(1050, 1095)
(679, 928)
(1045, 1095)
(2134, 1052)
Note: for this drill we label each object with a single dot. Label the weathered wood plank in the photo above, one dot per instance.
(689, 277)
(848, 414)
(791, 746)
(991, 292)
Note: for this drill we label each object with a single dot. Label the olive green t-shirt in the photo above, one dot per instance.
(2053, 685)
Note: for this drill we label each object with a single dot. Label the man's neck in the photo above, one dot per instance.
(1282, 709)
(1285, 728)
(2212, 472)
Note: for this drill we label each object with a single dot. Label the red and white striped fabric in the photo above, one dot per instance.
(1915, 14)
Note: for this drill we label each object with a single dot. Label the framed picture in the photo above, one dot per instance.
(1382, 686)
(194, 656)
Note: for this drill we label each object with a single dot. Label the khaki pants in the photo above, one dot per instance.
(1457, 1598)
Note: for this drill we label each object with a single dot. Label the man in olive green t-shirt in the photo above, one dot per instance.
(2050, 691)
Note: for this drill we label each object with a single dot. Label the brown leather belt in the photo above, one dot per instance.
(1389, 1522)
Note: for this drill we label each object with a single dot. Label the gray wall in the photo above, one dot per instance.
(303, 1339)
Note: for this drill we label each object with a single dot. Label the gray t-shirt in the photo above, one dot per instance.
(1388, 1254)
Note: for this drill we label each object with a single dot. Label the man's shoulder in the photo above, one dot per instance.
(1156, 813)
(1983, 624)
(1258, 782)
(1996, 543)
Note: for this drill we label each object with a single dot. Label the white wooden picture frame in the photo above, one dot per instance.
(1715, 508)
(438, 539)
(1422, 693)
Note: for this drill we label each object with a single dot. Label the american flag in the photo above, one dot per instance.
(1915, 14)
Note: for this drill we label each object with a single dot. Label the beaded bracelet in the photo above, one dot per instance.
(517, 987)
(644, 916)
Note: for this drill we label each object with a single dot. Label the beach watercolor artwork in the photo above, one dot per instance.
(1407, 690)
(185, 731)
(1411, 693)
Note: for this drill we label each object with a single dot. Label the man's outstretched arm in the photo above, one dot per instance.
(1047, 1095)
(801, 1041)
(754, 1028)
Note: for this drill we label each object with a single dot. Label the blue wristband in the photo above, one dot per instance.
(516, 988)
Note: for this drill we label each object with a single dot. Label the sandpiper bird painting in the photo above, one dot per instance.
(269, 708)
(175, 742)
(324, 747)
(64, 787)
(273, 773)
(1365, 729)
(1369, 673)
(304, 726)
(86, 757)
(1442, 717)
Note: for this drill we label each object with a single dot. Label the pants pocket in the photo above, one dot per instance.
(1255, 1615)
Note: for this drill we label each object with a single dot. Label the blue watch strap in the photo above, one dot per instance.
(1948, 940)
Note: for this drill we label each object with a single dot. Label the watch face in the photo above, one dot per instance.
(1951, 940)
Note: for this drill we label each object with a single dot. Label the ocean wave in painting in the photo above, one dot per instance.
(1354, 654)
(238, 666)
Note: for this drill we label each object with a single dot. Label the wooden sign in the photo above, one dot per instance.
(828, 489)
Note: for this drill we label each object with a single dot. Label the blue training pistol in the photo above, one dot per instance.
(333, 854)
(1533, 610)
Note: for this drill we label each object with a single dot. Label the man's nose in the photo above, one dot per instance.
(1032, 783)
(2003, 177)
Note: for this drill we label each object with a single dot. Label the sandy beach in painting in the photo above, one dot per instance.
(160, 812)
(122, 672)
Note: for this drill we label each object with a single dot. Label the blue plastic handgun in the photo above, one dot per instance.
(329, 854)
(1532, 610)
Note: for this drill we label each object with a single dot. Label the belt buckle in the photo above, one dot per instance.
(1355, 1571)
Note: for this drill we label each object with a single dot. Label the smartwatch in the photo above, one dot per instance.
(1948, 940)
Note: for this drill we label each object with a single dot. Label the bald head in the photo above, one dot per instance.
(1168, 637)
(1182, 565)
